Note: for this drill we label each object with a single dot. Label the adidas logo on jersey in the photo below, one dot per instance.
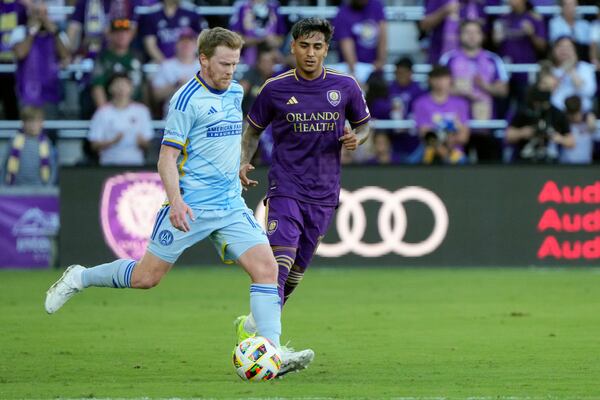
(212, 110)
(292, 100)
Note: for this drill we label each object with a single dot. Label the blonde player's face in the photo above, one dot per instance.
(218, 70)
(310, 52)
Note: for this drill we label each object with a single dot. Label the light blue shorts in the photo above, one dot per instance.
(231, 231)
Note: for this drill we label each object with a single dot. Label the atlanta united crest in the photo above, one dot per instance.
(334, 97)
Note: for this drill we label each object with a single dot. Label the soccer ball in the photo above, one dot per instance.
(256, 359)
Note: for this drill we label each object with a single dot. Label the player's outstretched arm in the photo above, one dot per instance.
(249, 145)
(167, 168)
(352, 139)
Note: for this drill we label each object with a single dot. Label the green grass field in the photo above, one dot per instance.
(377, 333)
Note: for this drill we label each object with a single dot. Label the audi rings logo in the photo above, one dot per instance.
(351, 223)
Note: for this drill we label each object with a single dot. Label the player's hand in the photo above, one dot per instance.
(349, 140)
(247, 182)
(177, 215)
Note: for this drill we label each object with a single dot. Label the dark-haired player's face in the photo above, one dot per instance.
(220, 67)
(310, 52)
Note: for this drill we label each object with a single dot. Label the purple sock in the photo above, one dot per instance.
(285, 257)
(295, 275)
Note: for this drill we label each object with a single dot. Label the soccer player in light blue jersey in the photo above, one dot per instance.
(199, 163)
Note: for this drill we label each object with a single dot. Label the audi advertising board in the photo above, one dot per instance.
(390, 216)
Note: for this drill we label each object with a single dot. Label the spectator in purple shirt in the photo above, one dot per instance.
(478, 76)
(441, 120)
(521, 39)
(13, 14)
(404, 90)
(259, 23)
(161, 28)
(39, 48)
(361, 33)
(442, 23)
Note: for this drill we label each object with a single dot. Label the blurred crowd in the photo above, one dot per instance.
(132, 55)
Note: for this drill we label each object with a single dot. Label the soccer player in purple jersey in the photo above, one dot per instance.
(307, 108)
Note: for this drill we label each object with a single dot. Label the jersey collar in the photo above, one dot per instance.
(207, 86)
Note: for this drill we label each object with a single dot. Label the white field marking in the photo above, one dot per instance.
(334, 398)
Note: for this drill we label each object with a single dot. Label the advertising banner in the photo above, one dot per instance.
(539, 215)
(28, 227)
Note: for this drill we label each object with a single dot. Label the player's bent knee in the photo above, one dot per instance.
(264, 272)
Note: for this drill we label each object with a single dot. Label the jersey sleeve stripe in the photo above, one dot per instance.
(254, 123)
(361, 121)
(275, 78)
(188, 97)
(167, 142)
(181, 96)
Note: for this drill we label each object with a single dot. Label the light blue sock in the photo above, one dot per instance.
(265, 305)
(116, 274)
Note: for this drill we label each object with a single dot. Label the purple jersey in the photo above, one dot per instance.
(256, 20)
(516, 47)
(362, 26)
(444, 37)
(167, 29)
(465, 69)
(433, 115)
(37, 74)
(308, 119)
(404, 96)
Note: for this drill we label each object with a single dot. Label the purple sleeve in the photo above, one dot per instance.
(420, 113)
(539, 26)
(79, 13)
(235, 23)
(379, 11)
(281, 25)
(261, 113)
(432, 5)
(341, 30)
(357, 112)
(463, 111)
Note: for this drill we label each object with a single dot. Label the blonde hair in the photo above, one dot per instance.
(29, 113)
(210, 39)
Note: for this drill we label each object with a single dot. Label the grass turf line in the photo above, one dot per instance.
(377, 333)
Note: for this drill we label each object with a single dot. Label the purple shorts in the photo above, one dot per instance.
(298, 224)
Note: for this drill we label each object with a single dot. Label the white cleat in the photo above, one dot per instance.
(63, 289)
(293, 361)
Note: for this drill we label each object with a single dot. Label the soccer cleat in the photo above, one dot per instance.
(63, 289)
(293, 361)
(242, 334)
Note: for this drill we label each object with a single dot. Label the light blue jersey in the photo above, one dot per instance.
(206, 125)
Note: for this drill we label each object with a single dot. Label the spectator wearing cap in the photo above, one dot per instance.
(361, 34)
(442, 22)
(260, 23)
(575, 77)
(40, 48)
(117, 57)
(121, 130)
(174, 72)
(568, 23)
(160, 28)
(90, 21)
(521, 38)
(441, 120)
